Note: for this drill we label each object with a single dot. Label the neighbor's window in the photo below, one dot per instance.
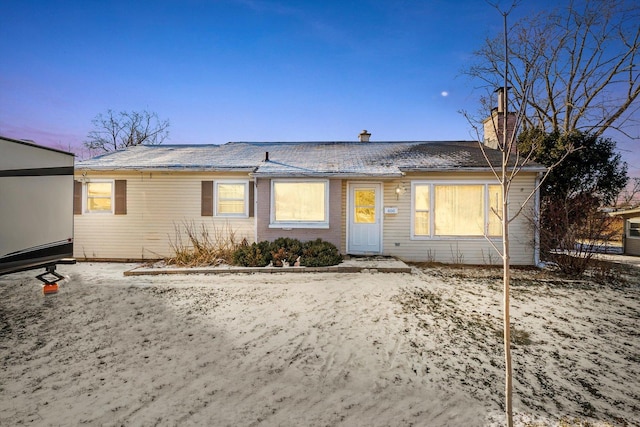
(231, 198)
(634, 229)
(421, 210)
(299, 202)
(456, 210)
(99, 197)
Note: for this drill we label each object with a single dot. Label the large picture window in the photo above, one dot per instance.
(456, 210)
(459, 210)
(231, 198)
(299, 203)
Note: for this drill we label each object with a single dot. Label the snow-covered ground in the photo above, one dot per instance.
(315, 349)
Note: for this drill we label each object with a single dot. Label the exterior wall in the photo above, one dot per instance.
(157, 203)
(631, 244)
(397, 239)
(263, 216)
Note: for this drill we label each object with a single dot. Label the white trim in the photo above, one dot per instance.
(245, 213)
(299, 224)
(379, 211)
(85, 196)
(536, 223)
(255, 208)
(629, 222)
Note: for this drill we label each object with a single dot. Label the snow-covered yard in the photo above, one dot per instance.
(315, 349)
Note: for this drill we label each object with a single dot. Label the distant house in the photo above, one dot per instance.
(631, 231)
(419, 201)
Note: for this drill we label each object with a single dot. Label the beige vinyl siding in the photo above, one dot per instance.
(157, 202)
(397, 239)
(632, 246)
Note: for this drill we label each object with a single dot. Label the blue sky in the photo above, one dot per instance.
(245, 70)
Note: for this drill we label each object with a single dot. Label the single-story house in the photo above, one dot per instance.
(631, 230)
(417, 200)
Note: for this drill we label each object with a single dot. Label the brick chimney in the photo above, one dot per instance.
(364, 136)
(494, 125)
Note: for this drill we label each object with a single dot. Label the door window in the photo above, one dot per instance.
(364, 206)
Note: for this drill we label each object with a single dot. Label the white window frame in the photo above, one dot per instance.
(629, 222)
(245, 212)
(432, 236)
(85, 197)
(299, 224)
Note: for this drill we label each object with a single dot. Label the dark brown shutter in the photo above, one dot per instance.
(121, 198)
(251, 199)
(77, 198)
(206, 201)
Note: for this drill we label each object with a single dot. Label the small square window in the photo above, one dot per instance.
(99, 197)
(231, 198)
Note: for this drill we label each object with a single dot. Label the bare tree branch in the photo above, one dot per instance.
(579, 62)
(112, 132)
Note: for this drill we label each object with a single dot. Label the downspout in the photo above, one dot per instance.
(536, 224)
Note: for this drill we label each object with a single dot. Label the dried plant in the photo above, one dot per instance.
(195, 246)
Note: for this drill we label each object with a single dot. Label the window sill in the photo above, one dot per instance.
(449, 238)
(290, 226)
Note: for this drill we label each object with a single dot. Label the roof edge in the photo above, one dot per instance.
(35, 145)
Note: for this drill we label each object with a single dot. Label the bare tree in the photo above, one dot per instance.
(115, 131)
(629, 196)
(505, 125)
(567, 70)
(571, 69)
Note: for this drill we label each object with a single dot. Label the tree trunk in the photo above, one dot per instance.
(507, 146)
(506, 279)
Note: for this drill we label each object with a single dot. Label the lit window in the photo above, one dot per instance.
(494, 227)
(297, 203)
(231, 198)
(421, 210)
(459, 210)
(99, 197)
(365, 206)
(472, 210)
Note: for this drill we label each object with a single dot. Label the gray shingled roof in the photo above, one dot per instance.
(349, 159)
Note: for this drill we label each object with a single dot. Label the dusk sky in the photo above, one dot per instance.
(247, 70)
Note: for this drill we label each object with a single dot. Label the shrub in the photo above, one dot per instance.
(285, 249)
(254, 255)
(319, 253)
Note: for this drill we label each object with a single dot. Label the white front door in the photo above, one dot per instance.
(365, 221)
